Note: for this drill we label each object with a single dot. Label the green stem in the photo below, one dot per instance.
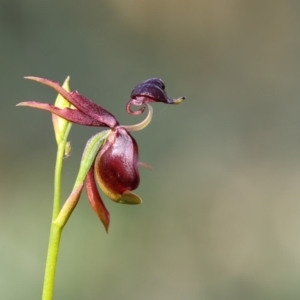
(57, 180)
(56, 229)
(54, 239)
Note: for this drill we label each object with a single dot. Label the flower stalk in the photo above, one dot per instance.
(61, 130)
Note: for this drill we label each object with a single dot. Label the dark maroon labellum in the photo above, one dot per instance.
(153, 90)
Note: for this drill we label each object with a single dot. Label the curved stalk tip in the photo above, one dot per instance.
(142, 124)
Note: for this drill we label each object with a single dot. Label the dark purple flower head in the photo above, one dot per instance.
(151, 90)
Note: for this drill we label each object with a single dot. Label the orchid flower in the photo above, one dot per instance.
(110, 158)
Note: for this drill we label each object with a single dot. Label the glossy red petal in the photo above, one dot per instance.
(94, 110)
(116, 165)
(95, 199)
(72, 115)
(81, 103)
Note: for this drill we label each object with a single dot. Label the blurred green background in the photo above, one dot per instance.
(221, 212)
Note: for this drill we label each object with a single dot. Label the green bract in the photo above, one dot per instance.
(61, 126)
(91, 149)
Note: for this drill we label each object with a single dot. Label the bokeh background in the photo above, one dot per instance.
(221, 212)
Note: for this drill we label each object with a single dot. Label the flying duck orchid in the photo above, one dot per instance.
(110, 158)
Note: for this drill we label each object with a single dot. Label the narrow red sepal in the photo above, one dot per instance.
(95, 199)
